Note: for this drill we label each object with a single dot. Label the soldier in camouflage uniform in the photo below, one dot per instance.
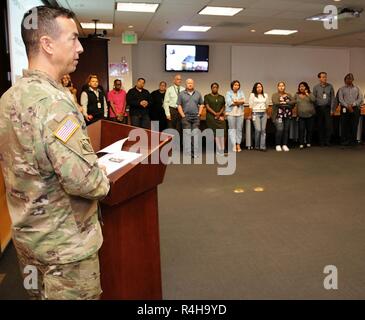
(53, 181)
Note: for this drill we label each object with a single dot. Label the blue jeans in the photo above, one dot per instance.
(235, 128)
(259, 120)
(190, 133)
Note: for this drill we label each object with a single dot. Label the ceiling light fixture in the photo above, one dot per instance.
(279, 32)
(99, 26)
(137, 7)
(220, 11)
(195, 28)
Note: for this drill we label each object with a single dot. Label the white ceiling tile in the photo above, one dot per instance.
(262, 15)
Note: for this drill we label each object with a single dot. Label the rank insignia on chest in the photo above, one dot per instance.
(66, 130)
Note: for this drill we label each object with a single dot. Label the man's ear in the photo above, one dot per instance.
(47, 44)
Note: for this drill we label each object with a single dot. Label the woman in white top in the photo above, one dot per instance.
(235, 100)
(258, 104)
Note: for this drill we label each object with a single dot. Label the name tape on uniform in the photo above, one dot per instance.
(66, 130)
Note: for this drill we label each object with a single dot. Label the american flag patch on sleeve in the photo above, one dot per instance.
(66, 129)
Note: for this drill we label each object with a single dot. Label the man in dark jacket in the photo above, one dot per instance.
(157, 111)
(139, 100)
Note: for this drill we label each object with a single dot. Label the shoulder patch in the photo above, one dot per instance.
(66, 130)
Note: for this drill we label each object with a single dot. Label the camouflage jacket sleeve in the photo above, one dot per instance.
(73, 159)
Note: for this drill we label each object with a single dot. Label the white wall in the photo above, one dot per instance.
(357, 66)
(248, 63)
(118, 52)
(292, 65)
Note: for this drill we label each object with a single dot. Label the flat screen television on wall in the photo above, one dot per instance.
(186, 58)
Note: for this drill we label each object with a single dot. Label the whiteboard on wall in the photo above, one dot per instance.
(270, 65)
(18, 56)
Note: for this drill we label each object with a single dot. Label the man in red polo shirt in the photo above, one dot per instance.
(117, 99)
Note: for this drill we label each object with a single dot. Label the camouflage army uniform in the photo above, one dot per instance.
(53, 184)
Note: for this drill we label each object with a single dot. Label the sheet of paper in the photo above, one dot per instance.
(115, 147)
(117, 160)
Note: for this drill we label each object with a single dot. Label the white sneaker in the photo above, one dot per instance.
(309, 145)
(285, 148)
(278, 149)
(301, 147)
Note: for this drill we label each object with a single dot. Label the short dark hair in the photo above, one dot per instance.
(306, 85)
(254, 89)
(214, 84)
(234, 82)
(46, 25)
(319, 74)
(144, 80)
(117, 80)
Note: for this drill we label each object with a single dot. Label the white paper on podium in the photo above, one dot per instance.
(114, 161)
(115, 147)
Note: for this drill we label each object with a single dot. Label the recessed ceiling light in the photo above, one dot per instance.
(220, 11)
(137, 7)
(253, 30)
(278, 32)
(130, 27)
(195, 28)
(99, 26)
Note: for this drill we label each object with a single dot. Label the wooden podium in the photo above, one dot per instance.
(5, 222)
(130, 255)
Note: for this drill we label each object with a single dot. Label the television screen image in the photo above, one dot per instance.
(187, 58)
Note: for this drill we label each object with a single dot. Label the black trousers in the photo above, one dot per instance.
(175, 122)
(282, 131)
(349, 125)
(324, 121)
(141, 120)
(306, 130)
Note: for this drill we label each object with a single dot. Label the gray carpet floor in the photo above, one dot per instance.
(216, 244)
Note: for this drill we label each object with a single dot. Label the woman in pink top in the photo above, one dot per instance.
(117, 99)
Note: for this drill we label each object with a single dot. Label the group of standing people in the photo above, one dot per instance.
(319, 105)
(95, 104)
(178, 107)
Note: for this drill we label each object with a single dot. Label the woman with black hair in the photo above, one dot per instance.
(258, 103)
(306, 111)
(282, 111)
(215, 104)
(235, 100)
